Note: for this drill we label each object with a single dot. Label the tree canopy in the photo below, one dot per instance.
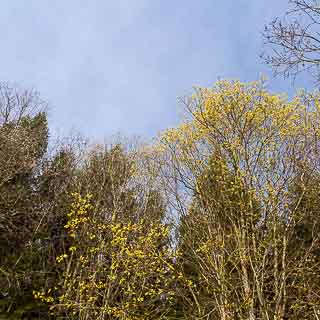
(217, 219)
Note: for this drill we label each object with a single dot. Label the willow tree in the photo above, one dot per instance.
(229, 168)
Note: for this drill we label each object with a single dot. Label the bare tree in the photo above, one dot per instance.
(293, 42)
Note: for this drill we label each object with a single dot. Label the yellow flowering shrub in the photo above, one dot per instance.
(114, 270)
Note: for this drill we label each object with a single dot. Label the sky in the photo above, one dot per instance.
(108, 67)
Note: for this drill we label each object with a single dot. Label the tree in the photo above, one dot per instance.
(208, 229)
(34, 190)
(304, 242)
(121, 188)
(234, 158)
(23, 140)
(293, 42)
(117, 261)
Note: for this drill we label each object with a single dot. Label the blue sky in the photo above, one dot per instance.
(119, 66)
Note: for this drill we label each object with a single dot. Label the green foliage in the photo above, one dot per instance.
(23, 145)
